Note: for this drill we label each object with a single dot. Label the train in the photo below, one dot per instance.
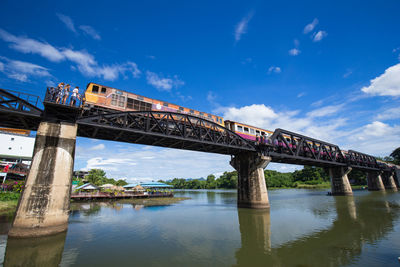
(97, 95)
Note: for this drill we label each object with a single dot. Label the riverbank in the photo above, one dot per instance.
(8, 202)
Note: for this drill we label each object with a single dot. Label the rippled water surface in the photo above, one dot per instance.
(302, 228)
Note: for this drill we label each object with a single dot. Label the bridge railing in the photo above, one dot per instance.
(19, 101)
(53, 95)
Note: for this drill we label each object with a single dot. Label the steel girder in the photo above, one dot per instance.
(19, 110)
(166, 129)
(289, 147)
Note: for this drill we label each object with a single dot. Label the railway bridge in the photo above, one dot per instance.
(44, 205)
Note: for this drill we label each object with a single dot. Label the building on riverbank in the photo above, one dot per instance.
(149, 185)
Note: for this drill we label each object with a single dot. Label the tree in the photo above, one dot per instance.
(96, 176)
(396, 155)
(210, 184)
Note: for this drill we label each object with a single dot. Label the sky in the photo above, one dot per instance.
(326, 69)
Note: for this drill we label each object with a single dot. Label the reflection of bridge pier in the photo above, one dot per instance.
(366, 220)
(255, 231)
(43, 251)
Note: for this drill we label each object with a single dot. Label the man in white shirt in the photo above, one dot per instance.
(74, 96)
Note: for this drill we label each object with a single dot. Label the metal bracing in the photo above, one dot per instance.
(289, 147)
(19, 110)
(167, 129)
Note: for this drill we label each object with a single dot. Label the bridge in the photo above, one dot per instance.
(44, 204)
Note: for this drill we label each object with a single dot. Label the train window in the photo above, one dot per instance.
(240, 128)
(201, 114)
(209, 115)
(251, 131)
(114, 99)
(246, 129)
(181, 109)
(129, 103)
(121, 101)
(165, 104)
(95, 89)
(136, 104)
(191, 111)
(257, 132)
(262, 132)
(220, 120)
(103, 90)
(140, 97)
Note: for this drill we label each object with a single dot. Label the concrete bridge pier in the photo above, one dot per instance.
(340, 184)
(252, 190)
(43, 208)
(397, 177)
(388, 181)
(374, 180)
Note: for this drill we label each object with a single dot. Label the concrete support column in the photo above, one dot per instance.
(340, 184)
(252, 190)
(43, 208)
(374, 180)
(397, 177)
(388, 181)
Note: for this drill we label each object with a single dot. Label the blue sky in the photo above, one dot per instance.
(330, 70)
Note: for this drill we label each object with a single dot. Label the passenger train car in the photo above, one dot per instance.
(111, 98)
(247, 131)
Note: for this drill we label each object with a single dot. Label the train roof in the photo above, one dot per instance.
(150, 98)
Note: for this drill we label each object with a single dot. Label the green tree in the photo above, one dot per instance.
(210, 183)
(396, 156)
(96, 176)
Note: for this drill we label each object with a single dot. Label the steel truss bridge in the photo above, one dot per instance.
(177, 130)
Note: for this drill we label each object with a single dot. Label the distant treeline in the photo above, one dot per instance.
(307, 177)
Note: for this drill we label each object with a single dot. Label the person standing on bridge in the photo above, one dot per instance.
(59, 92)
(66, 94)
(75, 94)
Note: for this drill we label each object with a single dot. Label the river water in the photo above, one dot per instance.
(302, 228)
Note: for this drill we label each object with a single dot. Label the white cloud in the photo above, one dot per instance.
(301, 94)
(21, 71)
(319, 36)
(67, 22)
(310, 27)
(274, 69)
(98, 147)
(387, 84)
(84, 61)
(389, 114)
(26, 45)
(211, 97)
(294, 52)
(376, 138)
(89, 30)
(163, 84)
(348, 73)
(241, 27)
(325, 111)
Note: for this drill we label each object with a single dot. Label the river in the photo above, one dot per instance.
(302, 228)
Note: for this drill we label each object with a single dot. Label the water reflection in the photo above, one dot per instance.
(44, 251)
(357, 223)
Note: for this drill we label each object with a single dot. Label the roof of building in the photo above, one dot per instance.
(87, 186)
(149, 185)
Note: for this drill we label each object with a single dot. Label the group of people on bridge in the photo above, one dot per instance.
(62, 92)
